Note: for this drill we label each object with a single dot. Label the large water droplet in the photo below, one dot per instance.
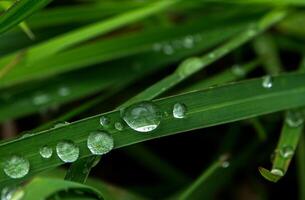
(277, 172)
(12, 193)
(267, 82)
(104, 121)
(294, 119)
(189, 66)
(118, 126)
(179, 110)
(46, 151)
(142, 117)
(286, 152)
(67, 151)
(100, 143)
(16, 167)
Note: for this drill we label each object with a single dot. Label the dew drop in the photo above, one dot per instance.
(237, 70)
(64, 91)
(41, 99)
(16, 167)
(168, 49)
(179, 111)
(267, 82)
(294, 119)
(211, 55)
(277, 172)
(225, 164)
(118, 126)
(100, 143)
(67, 151)
(286, 152)
(12, 193)
(46, 152)
(142, 117)
(188, 42)
(104, 121)
(61, 124)
(189, 66)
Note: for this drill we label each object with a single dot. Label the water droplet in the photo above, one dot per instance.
(104, 121)
(190, 66)
(267, 82)
(277, 172)
(100, 143)
(41, 99)
(294, 119)
(142, 117)
(67, 151)
(118, 126)
(16, 167)
(12, 193)
(188, 42)
(211, 55)
(64, 91)
(168, 49)
(61, 124)
(238, 71)
(225, 164)
(46, 152)
(286, 152)
(179, 110)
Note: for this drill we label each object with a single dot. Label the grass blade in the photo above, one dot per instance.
(205, 108)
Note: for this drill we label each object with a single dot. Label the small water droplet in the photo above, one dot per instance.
(61, 124)
(100, 143)
(41, 99)
(12, 193)
(16, 167)
(267, 82)
(238, 71)
(188, 42)
(277, 172)
(168, 49)
(189, 66)
(286, 152)
(225, 164)
(294, 119)
(118, 126)
(179, 111)
(104, 121)
(67, 151)
(142, 117)
(46, 152)
(64, 91)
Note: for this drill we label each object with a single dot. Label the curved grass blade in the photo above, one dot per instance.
(290, 135)
(200, 181)
(206, 108)
(18, 12)
(44, 188)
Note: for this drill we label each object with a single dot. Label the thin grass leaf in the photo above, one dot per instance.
(190, 191)
(300, 160)
(290, 135)
(266, 49)
(18, 12)
(206, 108)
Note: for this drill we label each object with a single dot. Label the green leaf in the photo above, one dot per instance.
(18, 12)
(205, 108)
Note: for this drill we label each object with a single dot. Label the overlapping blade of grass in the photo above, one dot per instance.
(192, 65)
(190, 191)
(119, 47)
(59, 43)
(290, 135)
(210, 107)
(43, 188)
(18, 12)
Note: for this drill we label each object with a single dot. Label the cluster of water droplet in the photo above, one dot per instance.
(169, 48)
